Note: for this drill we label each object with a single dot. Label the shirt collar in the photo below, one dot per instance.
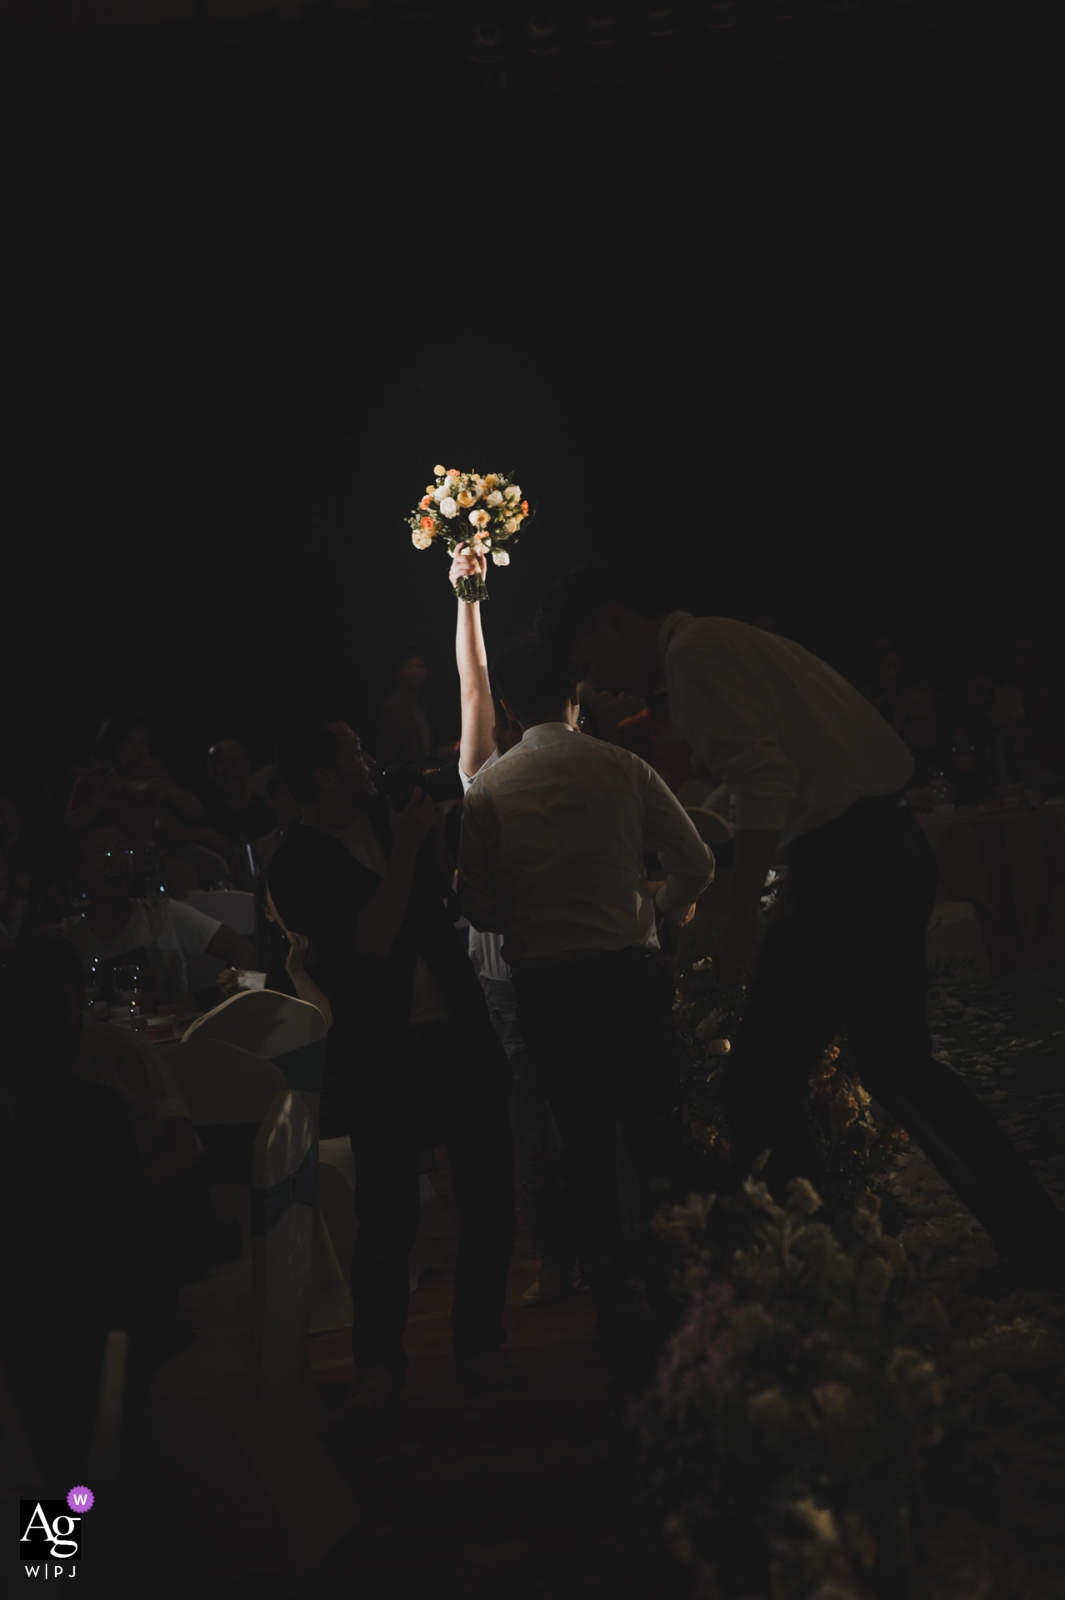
(665, 635)
(545, 733)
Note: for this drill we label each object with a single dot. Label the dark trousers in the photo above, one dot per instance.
(601, 1029)
(847, 946)
(444, 1084)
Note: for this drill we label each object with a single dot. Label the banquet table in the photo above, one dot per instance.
(1009, 862)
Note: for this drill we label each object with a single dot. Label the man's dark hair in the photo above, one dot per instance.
(119, 727)
(571, 608)
(302, 747)
(533, 676)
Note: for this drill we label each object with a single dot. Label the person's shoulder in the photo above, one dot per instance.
(85, 783)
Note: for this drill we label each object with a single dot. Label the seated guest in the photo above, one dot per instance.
(232, 811)
(412, 1061)
(553, 856)
(285, 810)
(31, 888)
(884, 690)
(403, 731)
(79, 1253)
(921, 725)
(158, 936)
(170, 1153)
(128, 789)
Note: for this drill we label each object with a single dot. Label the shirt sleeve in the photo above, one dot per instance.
(194, 929)
(490, 762)
(477, 854)
(673, 836)
(723, 714)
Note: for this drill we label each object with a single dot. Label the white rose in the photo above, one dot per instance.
(501, 558)
(494, 499)
(440, 471)
(448, 507)
(513, 493)
(511, 525)
(479, 519)
(421, 539)
(441, 493)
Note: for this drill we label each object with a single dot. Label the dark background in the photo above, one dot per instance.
(785, 331)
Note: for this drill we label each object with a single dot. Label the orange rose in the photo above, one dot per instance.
(454, 471)
(428, 523)
(423, 505)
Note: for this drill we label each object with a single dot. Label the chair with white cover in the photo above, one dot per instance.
(277, 1027)
(291, 1034)
(233, 908)
(228, 1092)
(20, 1476)
(253, 1380)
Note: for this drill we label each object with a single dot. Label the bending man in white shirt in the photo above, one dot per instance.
(818, 777)
(554, 839)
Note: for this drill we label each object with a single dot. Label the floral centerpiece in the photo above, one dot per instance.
(484, 513)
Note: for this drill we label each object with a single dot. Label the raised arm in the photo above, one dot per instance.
(478, 738)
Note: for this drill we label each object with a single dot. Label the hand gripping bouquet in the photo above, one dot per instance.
(484, 513)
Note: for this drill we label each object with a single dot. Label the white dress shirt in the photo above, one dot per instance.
(795, 742)
(554, 836)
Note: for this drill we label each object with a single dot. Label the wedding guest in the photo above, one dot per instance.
(818, 779)
(884, 693)
(920, 726)
(158, 936)
(78, 1252)
(486, 735)
(31, 886)
(186, 1228)
(553, 857)
(403, 730)
(232, 812)
(412, 1061)
(130, 790)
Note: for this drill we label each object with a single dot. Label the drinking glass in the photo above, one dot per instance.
(129, 988)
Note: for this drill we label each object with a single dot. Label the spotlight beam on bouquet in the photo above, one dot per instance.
(485, 513)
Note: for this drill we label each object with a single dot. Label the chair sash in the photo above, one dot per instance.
(304, 1067)
(269, 1205)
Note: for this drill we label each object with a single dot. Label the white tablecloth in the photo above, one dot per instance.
(1011, 865)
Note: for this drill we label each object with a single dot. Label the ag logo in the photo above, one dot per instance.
(49, 1538)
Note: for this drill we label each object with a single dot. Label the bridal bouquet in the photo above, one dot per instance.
(465, 508)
